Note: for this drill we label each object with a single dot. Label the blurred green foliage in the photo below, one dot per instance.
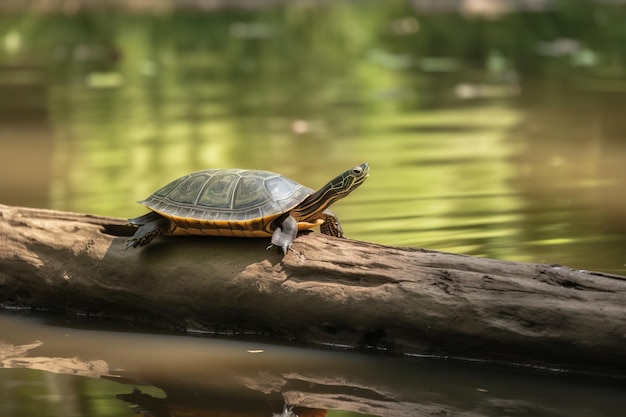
(470, 122)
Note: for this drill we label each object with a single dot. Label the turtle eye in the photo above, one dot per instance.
(357, 170)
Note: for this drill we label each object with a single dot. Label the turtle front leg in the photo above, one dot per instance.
(284, 234)
(331, 225)
(150, 226)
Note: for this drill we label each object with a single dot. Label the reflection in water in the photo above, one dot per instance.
(16, 356)
(184, 376)
(262, 400)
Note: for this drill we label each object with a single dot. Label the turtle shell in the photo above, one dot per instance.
(227, 202)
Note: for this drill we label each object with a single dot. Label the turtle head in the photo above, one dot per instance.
(349, 180)
(337, 188)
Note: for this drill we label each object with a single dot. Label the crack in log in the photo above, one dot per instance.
(602, 274)
(333, 273)
(330, 275)
(501, 290)
(552, 277)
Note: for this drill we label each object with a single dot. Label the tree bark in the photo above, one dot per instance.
(328, 291)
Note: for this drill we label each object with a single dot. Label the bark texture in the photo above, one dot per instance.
(327, 291)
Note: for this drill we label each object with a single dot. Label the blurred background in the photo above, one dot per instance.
(492, 128)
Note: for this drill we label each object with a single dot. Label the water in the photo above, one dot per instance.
(499, 137)
(503, 153)
(59, 367)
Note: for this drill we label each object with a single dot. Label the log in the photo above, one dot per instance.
(327, 292)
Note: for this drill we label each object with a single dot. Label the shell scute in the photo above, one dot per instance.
(280, 188)
(249, 192)
(217, 191)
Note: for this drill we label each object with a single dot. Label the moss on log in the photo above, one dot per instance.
(327, 291)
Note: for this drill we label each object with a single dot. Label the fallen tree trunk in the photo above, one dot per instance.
(328, 292)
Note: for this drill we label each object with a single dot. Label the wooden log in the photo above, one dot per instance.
(328, 291)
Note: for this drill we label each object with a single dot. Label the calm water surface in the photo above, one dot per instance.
(499, 137)
(486, 150)
(56, 367)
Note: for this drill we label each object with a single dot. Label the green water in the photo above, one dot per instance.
(500, 137)
(481, 140)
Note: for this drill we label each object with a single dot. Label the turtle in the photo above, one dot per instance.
(243, 203)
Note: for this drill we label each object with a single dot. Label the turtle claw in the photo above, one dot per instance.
(141, 241)
(284, 248)
(135, 243)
